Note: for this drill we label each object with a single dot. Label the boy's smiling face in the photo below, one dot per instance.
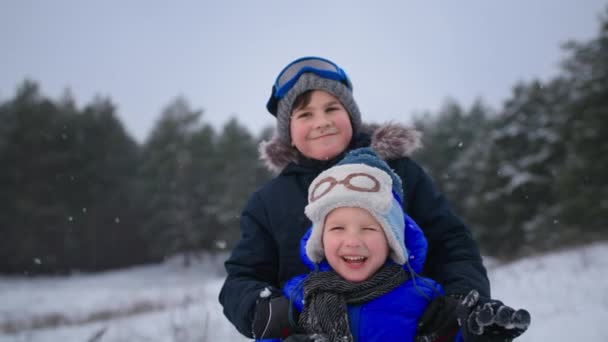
(321, 129)
(354, 242)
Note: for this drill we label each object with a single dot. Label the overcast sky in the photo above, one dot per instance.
(223, 56)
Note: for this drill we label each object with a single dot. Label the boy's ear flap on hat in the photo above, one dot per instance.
(272, 105)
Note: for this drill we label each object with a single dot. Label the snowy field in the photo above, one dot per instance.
(566, 293)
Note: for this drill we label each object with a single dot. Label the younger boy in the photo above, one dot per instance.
(370, 290)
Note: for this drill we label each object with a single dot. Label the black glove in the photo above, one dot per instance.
(488, 321)
(271, 318)
(491, 320)
(440, 319)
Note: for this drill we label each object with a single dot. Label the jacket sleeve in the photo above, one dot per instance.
(251, 267)
(453, 257)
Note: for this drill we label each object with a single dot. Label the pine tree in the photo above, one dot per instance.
(237, 177)
(103, 203)
(33, 214)
(582, 183)
(454, 144)
(165, 173)
(517, 195)
(203, 188)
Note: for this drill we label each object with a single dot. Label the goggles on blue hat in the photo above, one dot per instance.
(291, 73)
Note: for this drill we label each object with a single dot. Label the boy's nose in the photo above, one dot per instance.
(352, 240)
(322, 122)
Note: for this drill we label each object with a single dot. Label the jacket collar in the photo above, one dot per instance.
(390, 141)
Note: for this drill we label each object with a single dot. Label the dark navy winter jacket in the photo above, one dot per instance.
(273, 221)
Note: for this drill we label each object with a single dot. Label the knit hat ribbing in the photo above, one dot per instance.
(360, 180)
(311, 81)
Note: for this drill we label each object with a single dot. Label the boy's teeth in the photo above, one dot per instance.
(357, 258)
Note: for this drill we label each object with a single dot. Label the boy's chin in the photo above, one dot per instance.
(354, 277)
(325, 154)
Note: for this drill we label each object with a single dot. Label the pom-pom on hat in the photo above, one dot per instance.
(360, 180)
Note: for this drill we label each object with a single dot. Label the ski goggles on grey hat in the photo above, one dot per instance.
(292, 72)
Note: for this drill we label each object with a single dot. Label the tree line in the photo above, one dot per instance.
(531, 176)
(79, 193)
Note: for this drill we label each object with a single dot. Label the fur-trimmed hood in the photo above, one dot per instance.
(390, 141)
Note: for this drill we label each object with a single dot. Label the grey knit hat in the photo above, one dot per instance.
(311, 81)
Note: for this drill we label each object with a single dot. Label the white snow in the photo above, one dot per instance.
(566, 293)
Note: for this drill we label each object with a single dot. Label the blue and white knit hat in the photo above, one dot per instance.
(360, 180)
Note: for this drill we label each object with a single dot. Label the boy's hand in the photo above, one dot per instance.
(488, 321)
(440, 319)
(492, 320)
(271, 318)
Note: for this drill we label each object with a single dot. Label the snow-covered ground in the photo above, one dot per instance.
(566, 293)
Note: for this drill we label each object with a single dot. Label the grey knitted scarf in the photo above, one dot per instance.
(326, 295)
